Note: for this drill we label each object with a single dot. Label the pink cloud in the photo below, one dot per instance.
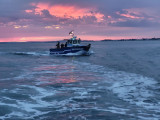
(70, 12)
(28, 11)
(139, 14)
(131, 13)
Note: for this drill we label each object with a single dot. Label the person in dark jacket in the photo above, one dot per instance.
(66, 44)
(58, 45)
(62, 45)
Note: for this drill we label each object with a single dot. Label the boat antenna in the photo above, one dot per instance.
(71, 33)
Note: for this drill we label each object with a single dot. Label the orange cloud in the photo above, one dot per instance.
(71, 12)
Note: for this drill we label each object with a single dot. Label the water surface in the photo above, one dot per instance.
(120, 80)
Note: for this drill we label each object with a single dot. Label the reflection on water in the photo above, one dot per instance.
(54, 67)
(50, 79)
(51, 74)
(62, 73)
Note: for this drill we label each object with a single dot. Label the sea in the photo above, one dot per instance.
(120, 80)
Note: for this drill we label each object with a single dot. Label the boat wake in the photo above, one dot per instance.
(65, 88)
(80, 53)
(45, 53)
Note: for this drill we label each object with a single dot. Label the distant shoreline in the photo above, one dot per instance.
(105, 40)
(143, 39)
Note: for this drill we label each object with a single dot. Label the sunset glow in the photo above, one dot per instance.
(70, 12)
(42, 38)
(95, 20)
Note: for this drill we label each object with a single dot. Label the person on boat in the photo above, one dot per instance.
(62, 45)
(66, 44)
(58, 45)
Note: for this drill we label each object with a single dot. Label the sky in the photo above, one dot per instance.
(49, 20)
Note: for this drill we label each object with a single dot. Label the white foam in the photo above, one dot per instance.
(148, 118)
(10, 105)
(129, 87)
(29, 109)
(117, 110)
(46, 53)
(79, 117)
(133, 88)
(76, 54)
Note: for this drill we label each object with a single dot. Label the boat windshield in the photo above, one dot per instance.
(75, 41)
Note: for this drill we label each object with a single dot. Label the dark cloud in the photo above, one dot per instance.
(115, 13)
(14, 10)
(136, 23)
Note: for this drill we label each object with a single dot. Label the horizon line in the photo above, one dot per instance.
(130, 39)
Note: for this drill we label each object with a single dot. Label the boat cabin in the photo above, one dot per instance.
(73, 41)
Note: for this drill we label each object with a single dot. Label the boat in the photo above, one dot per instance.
(72, 47)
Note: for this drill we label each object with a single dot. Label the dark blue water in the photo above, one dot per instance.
(120, 80)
